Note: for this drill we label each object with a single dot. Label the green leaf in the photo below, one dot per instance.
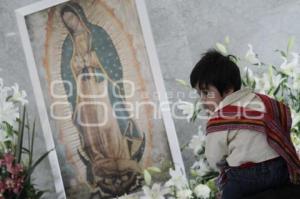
(283, 54)
(9, 129)
(290, 45)
(154, 169)
(227, 40)
(8, 144)
(276, 90)
(25, 150)
(31, 169)
(244, 82)
(197, 110)
(253, 85)
(182, 82)
(270, 74)
(193, 173)
(28, 128)
(32, 142)
(212, 185)
(247, 77)
(19, 146)
(184, 146)
(147, 177)
(221, 48)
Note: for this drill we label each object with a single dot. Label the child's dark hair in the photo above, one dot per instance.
(217, 70)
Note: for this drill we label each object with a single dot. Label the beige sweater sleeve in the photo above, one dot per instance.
(216, 148)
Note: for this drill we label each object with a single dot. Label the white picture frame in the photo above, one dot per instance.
(21, 15)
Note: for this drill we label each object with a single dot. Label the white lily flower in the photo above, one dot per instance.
(250, 73)
(128, 197)
(296, 78)
(202, 191)
(197, 143)
(251, 57)
(288, 68)
(8, 112)
(296, 73)
(295, 117)
(284, 66)
(200, 132)
(296, 84)
(18, 96)
(3, 90)
(177, 180)
(259, 85)
(276, 80)
(4, 137)
(184, 194)
(154, 193)
(221, 48)
(265, 82)
(227, 40)
(183, 82)
(187, 108)
(201, 167)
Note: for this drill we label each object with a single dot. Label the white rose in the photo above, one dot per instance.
(202, 191)
(184, 194)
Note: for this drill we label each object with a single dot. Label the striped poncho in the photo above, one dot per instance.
(275, 123)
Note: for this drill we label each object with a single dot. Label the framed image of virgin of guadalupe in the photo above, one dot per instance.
(100, 94)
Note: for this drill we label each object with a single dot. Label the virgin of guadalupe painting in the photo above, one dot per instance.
(92, 65)
(101, 96)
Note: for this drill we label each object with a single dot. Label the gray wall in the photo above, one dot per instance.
(182, 29)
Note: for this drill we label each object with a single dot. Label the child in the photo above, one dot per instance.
(248, 134)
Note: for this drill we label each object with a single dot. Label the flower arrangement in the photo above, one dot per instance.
(281, 82)
(12, 175)
(16, 160)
